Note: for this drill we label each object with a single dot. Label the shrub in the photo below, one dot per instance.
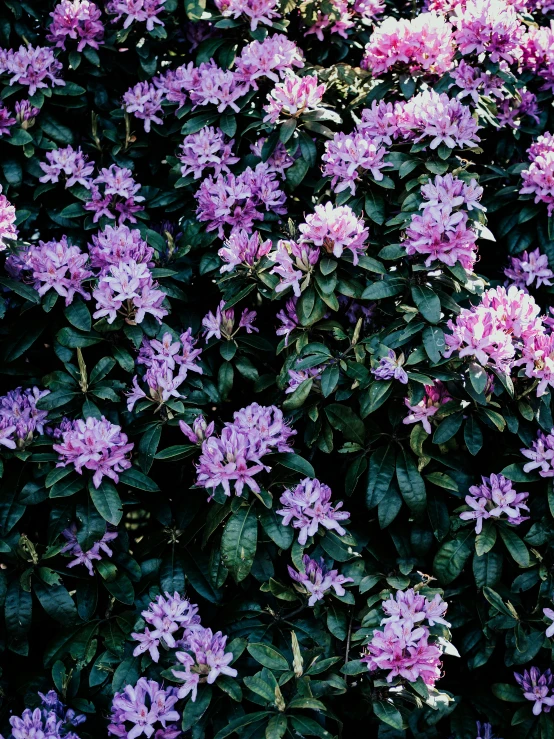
(277, 362)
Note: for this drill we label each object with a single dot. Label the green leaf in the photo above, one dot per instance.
(433, 342)
(107, 501)
(92, 526)
(136, 479)
(260, 687)
(272, 524)
(194, 10)
(239, 542)
(516, 547)
(194, 711)
(276, 727)
(388, 714)
(295, 462)
(427, 302)
(507, 692)
(473, 436)
(148, 446)
(344, 419)
(268, 656)
(297, 398)
(452, 556)
(67, 487)
(238, 723)
(385, 288)
(20, 288)
(448, 428)
(478, 377)
(485, 541)
(305, 726)
(57, 602)
(411, 483)
(375, 207)
(121, 588)
(126, 673)
(381, 471)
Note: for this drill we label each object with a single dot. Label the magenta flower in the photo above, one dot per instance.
(140, 11)
(538, 179)
(435, 396)
(78, 20)
(293, 97)
(308, 506)
(95, 445)
(242, 249)
(488, 26)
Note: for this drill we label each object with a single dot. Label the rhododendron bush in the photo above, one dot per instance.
(276, 362)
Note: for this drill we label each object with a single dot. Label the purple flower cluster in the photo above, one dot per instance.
(119, 244)
(490, 27)
(168, 362)
(293, 97)
(538, 688)
(6, 120)
(474, 81)
(403, 647)
(199, 431)
(51, 721)
(206, 150)
(115, 195)
(256, 12)
(541, 455)
(235, 456)
(144, 101)
(140, 11)
(95, 445)
(270, 58)
(32, 66)
(69, 162)
(204, 660)
(242, 249)
(294, 263)
(8, 230)
(166, 615)
(494, 498)
(348, 157)
(128, 289)
(25, 113)
(443, 231)
(538, 179)
(20, 417)
(78, 20)
(308, 506)
(239, 200)
(531, 267)
(143, 709)
(73, 548)
(222, 324)
(289, 320)
(390, 368)
(317, 579)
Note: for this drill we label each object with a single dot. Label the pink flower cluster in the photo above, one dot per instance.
(404, 648)
(95, 445)
(339, 16)
(78, 20)
(335, 229)
(269, 58)
(144, 101)
(205, 150)
(238, 201)
(145, 709)
(308, 506)
(221, 325)
(33, 66)
(317, 579)
(20, 417)
(241, 249)
(293, 97)
(423, 44)
(235, 456)
(128, 289)
(538, 53)
(435, 396)
(531, 267)
(538, 179)
(494, 498)
(168, 362)
(294, 263)
(426, 115)
(73, 548)
(348, 157)
(54, 265)
(541, 455)
(443, 231)
(116, 244)
(8, 230)
(115, 190)
(256, 12)
(141, 11)
(70, 162)
(488, 26)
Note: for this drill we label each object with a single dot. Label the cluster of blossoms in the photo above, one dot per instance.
(238, 201)
(292, 97)
(541, 455)
(530, 267)
(241, 249)
(54, 265)
(96, 445)
(25, 114)
(129, 289)
(204, 660)
(114, 195)
(511, 111)
(474, 81)
(538, 53)
(348, 157)
(205, 150)
(294, 263)
(235, 456)
(115, 245)
(168, 362)
(423, 44)
(146, 709)
(221, 325)
(69, 162)
(538, 688)
(491, 27)
(317, 579)
(255, 11)
(538, 178)
(140, 11)
(20, 417)
(404, 647)
(506, 319)
(270, 58)
(6, 120)
(442, 231)
(78, 20)
(144, 101)
(33, 66)
(51, 721)
(308, 506)
(435, 396)
(426, 115)
(494, 498)
(335, 229)
(73, 548)
(390, 368)
(339, 16)
(8, 230)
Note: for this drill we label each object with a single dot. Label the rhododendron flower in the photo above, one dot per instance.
(289, 320)
(348, 157)
(410, 607)
(144, 101)
(293, 97)
(490, 26)
(241, 249)
(96, 445)
(270, 58)
(116, 244)
(541, 455)
(51, 720)
(130, 290)
(222, 323)
(20, 417)
(142, 11)
(293, 265)
(390, 368)
(142, 708)
(308, 506)
(33, 66)
(255, 11)
(317, 579)
(6, 120)
(538, 179)
(530, 267)
(200, 430)
(473, 82)
(549, 613)
(8, 230)
(435, 396)
(206, 150)
(495, 497)
(72, 163)
(78, 20)
(335, 229)
(537, 688)
(73, 548)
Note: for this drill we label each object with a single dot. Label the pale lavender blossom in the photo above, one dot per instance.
(317, 579)
(335, 229)
(142, 709)
(390, 368)
(70, 162)
(270, 58)
(144, 101)
(541, 455)
(294, 263)
(549, 613)
(495, 498)
(289, 320)
(20, 417)
(205, 150)
(409, 606)
(531, 267)
(33, 66)
(52, 720)
(128, 289)
(255, 11)
(308, 506)
(116, 244)
(140, 11)
(221, 325)
(200, 430)
(73, 548)
(167, 615)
